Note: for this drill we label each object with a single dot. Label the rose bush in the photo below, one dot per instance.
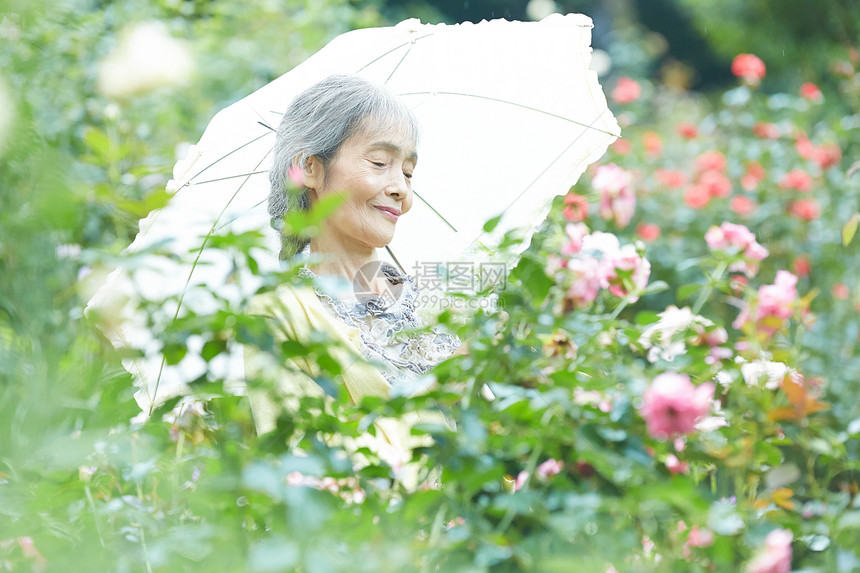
(685, 405)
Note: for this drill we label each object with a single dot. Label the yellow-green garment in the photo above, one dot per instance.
(295, 313)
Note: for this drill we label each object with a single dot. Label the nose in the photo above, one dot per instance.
(399, 188)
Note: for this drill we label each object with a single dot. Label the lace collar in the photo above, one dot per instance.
(387, 327)
(397, 305)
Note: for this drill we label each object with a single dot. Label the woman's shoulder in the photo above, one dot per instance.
(300, 313)
(280, 298)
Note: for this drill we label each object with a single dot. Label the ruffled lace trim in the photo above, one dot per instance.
(387, 332)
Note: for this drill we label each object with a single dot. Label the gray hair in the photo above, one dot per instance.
(317, 123)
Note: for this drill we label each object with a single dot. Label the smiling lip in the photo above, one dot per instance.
(391, 212)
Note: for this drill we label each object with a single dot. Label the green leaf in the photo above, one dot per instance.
(306, 224)
(173, 353)
(646, 317)
(655, 287)
(98, 141)
(213, 348)
(850, 229)
(492, 223)
(292, 348)
(688, 290)
(533, 277)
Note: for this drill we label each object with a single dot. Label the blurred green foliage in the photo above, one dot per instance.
(796, 38)
(81, 487)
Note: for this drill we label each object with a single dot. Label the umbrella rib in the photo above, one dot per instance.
(194, 267)
(523, 106)
(376, 59)
(539, 175)
(398, 63)
(434, 210)
(228, 154)
(227, 177)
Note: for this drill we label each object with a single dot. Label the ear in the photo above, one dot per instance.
(314, 172)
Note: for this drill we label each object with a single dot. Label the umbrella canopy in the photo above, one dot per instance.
(510, 117)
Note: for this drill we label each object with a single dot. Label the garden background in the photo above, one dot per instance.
(680, 398)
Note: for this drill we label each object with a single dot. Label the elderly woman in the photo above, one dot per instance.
(349, 137)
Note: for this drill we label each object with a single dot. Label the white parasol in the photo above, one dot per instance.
(510, 115)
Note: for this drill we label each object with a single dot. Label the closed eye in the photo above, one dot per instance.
(378, 164)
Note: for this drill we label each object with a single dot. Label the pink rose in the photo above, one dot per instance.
(805, 209)
(742, 205)
(687, 130)
(700, 537)
(774, 301)
(652, 143)
(711, 161)
(672, 405)
(648, 232)
(731, 239)
(828, 155)
(796, 179)
(801, 266)
(575, 208)
(841, 291)
(627, 261)
(766, 130)
(617, 199)
(778, 299)
(622, 146)
(717, 184)
(586, 281)
(717, 238)
(670, 178)
(805, 148)
(755, 252)
(626, 90)
(676, 466)
(575, 234)
(775, 556)
(549, 468)
(554, 264)
(521, 480)
(697, 196)
(296, 176)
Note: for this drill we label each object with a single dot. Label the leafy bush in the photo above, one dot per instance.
(663, 395)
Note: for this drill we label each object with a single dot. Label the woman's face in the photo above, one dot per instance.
(373, 172)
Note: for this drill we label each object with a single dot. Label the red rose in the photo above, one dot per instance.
(626, 90)
(697, 196)
(810, 91)
(801, 266)
(687, 130)
(648, 231)
(742, 205)
(766, 130)
(806, 209)
(749, 68)
(796, 179)
(575, 208)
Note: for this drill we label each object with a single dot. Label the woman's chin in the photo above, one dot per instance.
(383, 239)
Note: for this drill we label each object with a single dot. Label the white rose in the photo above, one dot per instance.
(770, 374)
(146, 58)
